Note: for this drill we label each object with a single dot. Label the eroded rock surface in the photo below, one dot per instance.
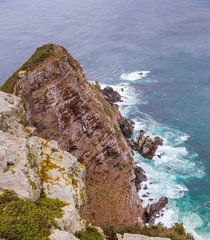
(146, 146)
(152, 209)
(127, 127)
(29, 165)
(140, 176)
(111, 95)
(65, 107)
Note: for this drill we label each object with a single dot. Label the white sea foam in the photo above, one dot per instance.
(134, 75)
(163, 173)
(184, 138)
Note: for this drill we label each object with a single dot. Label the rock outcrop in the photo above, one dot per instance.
(127, 126)
(63, 106)
(153, 209)
(140, 176)
(29, 165)
(146, 146)
(128, 236)
(111, 96)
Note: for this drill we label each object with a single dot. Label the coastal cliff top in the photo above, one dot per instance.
(42, 55)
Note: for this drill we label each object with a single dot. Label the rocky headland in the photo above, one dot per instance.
(56, 123)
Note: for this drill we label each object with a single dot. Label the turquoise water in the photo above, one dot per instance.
(114, 40)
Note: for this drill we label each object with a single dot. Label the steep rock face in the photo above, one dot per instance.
(64, 106)
(127, 127)
(29, 165)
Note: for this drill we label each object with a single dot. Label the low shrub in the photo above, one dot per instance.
(109, 231)
(91, 233)
(23, 220)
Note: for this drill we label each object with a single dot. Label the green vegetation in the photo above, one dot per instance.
(118, 136)
(109, 231)
(91, 233)
(176, 232)
(132, 230)
(107, 108)
(23, 220)
(42, 53)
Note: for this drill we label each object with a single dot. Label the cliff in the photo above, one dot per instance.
(63, 106)
(31, 166)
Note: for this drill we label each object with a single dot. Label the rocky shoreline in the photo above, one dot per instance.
(80, 121)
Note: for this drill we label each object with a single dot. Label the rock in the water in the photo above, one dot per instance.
(153, 209)
(140, 176)
(111, 96)
(146, 146)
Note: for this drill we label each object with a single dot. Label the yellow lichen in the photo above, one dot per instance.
(81, 166)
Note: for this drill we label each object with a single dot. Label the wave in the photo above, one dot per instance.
(165, 175)
(134, 75)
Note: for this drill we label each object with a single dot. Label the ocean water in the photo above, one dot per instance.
(169, 43)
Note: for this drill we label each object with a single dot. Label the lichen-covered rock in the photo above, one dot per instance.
(11, 115)
(31, 165)
(61, 235)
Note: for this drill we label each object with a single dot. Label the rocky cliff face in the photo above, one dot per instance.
(65, 107)
(29, 165)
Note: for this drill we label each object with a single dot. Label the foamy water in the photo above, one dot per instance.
(164, 175)
(134, 75)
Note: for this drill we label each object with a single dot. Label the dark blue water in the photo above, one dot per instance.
(114, 40)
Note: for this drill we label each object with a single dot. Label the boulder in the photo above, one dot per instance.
(146, 146)
(153, 209)
(140, 176)
(56, 234)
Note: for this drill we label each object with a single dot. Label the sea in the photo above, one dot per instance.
(156, 53)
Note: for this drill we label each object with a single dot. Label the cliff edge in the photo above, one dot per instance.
(63, 106)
